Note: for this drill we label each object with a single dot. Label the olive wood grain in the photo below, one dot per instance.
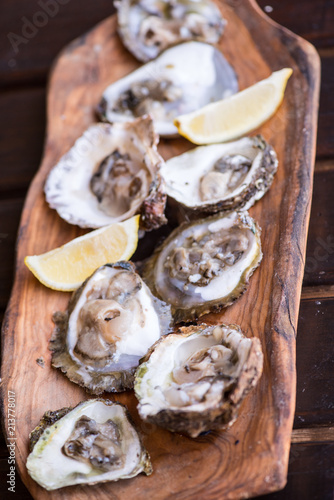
(250, 458)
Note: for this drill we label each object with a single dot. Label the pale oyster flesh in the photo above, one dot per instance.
(147, 27)
(111, 322)
(111, 173)
(93, 442)
(205, 265)
(195, 380)
(169, 86)
(218, 177)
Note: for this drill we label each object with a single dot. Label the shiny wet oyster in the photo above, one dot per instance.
(205, 265)
(169, 86)
(195, 380)
(147, 27)
(110, 323)
(91, 443)
(221, 176)
(110, 174)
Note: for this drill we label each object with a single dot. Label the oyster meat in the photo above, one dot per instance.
(111, 173)
(147, 27)
(195, 380)
(205, 265)
(218, 177)
(91, 443)
(169, 86)
(111, 322)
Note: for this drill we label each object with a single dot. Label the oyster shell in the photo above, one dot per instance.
(218, 177)
(110, 323)
(169, 86)
(205, 265)
(110, 174)
(91, 443)
(196, 379)
(147, 27)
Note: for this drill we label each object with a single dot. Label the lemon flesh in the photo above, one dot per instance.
(237, 115)
(66, 267)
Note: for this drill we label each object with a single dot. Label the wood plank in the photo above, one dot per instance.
(315, 364)
(36, 34)
(325, 147)
(312, 20)
(21, 136)
(324, 165)
(317, 292)
(319, 266)
(212, 465)
(10, 213)
(310, 473)
(313, 435)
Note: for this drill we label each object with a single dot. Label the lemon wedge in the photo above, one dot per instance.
(237, 115)
(66, 267)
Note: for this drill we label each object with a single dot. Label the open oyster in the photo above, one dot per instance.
(110, 174)
(169, 86)
(91, 443)
(221, 176)
(111, 322)
(205, 265)
(196, 379)
(147, 27)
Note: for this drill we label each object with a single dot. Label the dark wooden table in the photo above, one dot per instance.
(26, 56)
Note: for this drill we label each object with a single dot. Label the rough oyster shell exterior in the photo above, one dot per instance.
(53, 469)
(114, 375)
(169, 86)
(155, 376)
(184, 176)
(160, 24)
(189, 301)
(68, 190)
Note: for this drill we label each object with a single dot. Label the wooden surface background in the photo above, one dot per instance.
(22, 100)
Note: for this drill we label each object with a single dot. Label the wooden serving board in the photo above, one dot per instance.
(250, 458)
